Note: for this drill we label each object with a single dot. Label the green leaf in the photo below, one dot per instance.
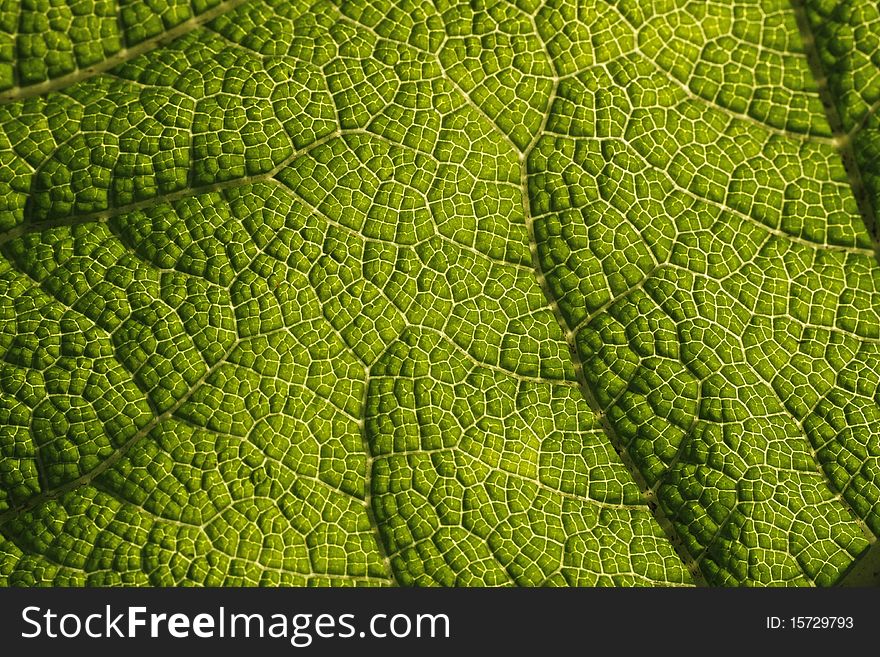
(570, 292)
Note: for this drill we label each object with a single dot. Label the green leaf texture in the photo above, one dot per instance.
(359, 292)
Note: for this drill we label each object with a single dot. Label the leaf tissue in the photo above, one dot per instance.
(439, 292)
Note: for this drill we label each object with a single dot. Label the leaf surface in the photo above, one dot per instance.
(563, 293)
